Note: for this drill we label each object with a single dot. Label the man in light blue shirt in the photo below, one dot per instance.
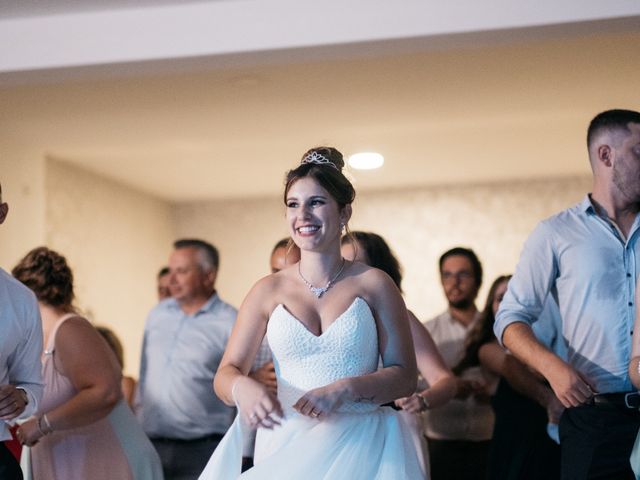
(20, 349)
(184, 340)
(587, 257)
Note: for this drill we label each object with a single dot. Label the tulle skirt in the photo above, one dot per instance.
(354, 446)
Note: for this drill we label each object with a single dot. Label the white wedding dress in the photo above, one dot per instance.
(359, 441)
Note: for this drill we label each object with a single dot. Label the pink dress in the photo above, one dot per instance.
(114, 447)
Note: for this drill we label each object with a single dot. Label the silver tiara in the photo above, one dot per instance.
(318, 159)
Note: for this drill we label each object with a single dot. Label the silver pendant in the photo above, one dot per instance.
(318, 291)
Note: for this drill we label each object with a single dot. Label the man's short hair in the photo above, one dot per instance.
(163, 271)
(609, 121)
(468, 254)
(208, 253)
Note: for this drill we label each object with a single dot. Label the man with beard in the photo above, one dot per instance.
(588, 258)
(459, 432)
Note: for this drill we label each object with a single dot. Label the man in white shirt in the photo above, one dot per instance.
(20, 350)
(459, 432)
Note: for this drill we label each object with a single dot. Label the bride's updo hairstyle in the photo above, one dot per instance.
(324, 165)
(48, 275)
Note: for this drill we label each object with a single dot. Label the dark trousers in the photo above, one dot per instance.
(185, 459)
(9, 468)
(596, 442)
(458, 459)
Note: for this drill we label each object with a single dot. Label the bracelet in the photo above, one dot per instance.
(233, 391)
(47, 423)
(424, 402)
(40, 429)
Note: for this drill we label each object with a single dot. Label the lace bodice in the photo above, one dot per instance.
(304, 361)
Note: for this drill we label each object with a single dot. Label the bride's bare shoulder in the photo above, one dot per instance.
(267, 292)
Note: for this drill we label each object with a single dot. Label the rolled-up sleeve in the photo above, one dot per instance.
(531, 283)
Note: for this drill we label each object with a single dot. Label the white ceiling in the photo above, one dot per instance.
(494, 110)
(36, 8)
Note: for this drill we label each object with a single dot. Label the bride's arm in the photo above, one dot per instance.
(442, 383)
(398, 376)
(231, 383)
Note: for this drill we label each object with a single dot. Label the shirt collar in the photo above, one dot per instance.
(173, 304)
(587, 205)
(475, 320)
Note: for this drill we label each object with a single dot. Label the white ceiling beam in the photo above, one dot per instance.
(243, 26)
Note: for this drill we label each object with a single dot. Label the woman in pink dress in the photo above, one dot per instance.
(83, 428)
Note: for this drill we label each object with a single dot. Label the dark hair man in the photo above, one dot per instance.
(588, 258)
(460, 431)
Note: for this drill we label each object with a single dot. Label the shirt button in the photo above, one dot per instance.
(631, 304)
(628, 275)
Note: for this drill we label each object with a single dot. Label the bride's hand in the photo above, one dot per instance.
(322, 401)
(257, 405)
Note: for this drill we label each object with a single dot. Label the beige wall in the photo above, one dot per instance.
(22, 178)
(244, 232)
(419, 224)
(115, 239)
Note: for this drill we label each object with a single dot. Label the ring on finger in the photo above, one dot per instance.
(314, 414)
(253, 416)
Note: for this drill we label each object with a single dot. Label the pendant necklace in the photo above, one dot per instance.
(319, 291)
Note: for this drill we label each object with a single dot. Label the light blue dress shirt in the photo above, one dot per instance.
(180, 356)
(581, 259)
(20, 343)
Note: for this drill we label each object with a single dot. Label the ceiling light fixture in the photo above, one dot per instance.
(366, 160)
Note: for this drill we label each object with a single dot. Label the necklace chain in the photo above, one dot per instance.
(319, 291)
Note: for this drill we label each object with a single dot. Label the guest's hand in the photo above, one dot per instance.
(482, 394)
(554, 408)
(266, 375)
(466, 388)
(569, 385)
(28, 433)
(12, 402)
(320, 402)
(413, 404)
(258, 406)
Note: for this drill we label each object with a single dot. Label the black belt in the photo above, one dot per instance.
(214, 437)
(627, 400)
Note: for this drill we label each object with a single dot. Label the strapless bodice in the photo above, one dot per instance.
(304, 361)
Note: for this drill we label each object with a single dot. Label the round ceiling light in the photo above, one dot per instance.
(366, 160)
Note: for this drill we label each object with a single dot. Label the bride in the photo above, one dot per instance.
(327, 321)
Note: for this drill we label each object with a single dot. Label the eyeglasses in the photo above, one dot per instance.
(457, 276)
